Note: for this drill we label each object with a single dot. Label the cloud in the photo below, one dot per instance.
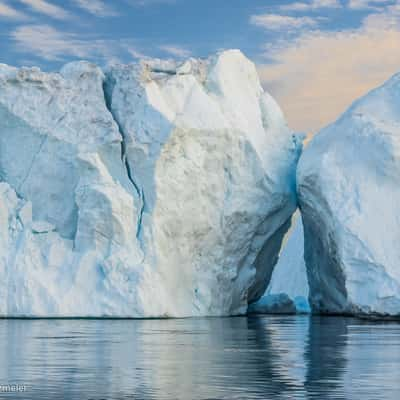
(96, 7)
(279, 22)
(9, 12)
(175, 51)
(143, 3)
(385, 19)
(318, 75)
(135, 53)
(313, 5)
(50, 44)
(368, 4)
(44, 7)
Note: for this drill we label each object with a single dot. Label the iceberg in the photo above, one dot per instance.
(349, 190)
(157, 189)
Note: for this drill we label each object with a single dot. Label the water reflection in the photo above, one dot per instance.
(218, 358)
(325, 356)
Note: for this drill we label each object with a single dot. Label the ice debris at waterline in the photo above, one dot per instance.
(153, 189)
(287, 292)
(349, 193)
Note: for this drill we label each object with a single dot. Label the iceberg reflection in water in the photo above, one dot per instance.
(266, 357)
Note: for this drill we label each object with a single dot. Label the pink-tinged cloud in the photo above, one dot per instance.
(316, 77)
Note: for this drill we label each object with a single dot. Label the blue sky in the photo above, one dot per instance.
(314, 56)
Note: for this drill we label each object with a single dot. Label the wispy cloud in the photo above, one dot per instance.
(311, 5)
(135, 53)
(278, 22)
(175, 51)
(386, 18)
(326, 71)
(368, 4)
(6, 11)
(96, 7)
(51, 44)
(49, 9)
(143, 3)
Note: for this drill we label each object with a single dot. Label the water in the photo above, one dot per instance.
(216, 358)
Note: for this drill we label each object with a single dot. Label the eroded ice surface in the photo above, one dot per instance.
(349, 193)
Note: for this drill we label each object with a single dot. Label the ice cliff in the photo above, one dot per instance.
(349, 193)
(153, 189)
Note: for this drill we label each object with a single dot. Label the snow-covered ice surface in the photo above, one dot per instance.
(288, 290)
(349, 192)
(154, 189)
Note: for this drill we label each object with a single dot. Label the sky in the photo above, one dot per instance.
(314, 56)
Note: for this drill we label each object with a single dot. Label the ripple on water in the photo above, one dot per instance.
(266, 357)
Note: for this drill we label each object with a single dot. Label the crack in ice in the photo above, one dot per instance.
(124, 159)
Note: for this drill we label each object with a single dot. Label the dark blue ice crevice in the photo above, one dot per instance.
(108, 86)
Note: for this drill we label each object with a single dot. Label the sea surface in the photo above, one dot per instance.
(266, 357)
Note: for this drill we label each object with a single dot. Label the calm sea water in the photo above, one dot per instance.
(211, 358)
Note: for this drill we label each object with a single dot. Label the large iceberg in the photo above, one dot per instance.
(153, 189)
(349, 193)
